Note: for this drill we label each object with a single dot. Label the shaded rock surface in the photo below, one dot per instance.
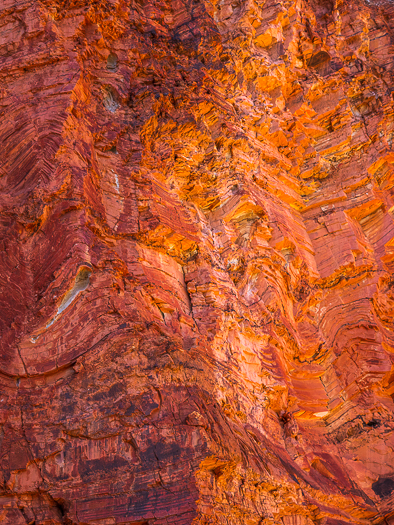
(196, 265)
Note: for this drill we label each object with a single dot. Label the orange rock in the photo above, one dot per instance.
(197, 257)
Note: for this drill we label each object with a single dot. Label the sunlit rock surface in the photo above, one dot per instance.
(196, 265)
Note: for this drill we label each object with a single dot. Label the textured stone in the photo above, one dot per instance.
(196, 265)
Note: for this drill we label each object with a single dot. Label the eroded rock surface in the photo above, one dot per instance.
(196, 265)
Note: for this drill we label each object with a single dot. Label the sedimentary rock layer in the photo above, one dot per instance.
(196, 263)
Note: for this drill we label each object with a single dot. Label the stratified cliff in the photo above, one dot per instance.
(197, 262)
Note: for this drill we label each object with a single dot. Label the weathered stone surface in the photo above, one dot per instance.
(196, 265)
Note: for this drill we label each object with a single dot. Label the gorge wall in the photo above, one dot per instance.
(197, 262)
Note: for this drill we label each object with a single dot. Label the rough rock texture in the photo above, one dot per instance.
(197, 262)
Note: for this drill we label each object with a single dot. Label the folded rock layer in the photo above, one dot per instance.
(197, 262)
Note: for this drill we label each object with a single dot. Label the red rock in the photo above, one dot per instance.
(196, 263)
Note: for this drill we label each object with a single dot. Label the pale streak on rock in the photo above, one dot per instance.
(80, 284)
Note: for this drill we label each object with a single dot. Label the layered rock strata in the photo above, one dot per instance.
(196, 265)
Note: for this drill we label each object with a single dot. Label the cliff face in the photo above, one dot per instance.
(196, 265)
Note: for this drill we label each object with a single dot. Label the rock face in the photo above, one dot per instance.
(197, 262)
